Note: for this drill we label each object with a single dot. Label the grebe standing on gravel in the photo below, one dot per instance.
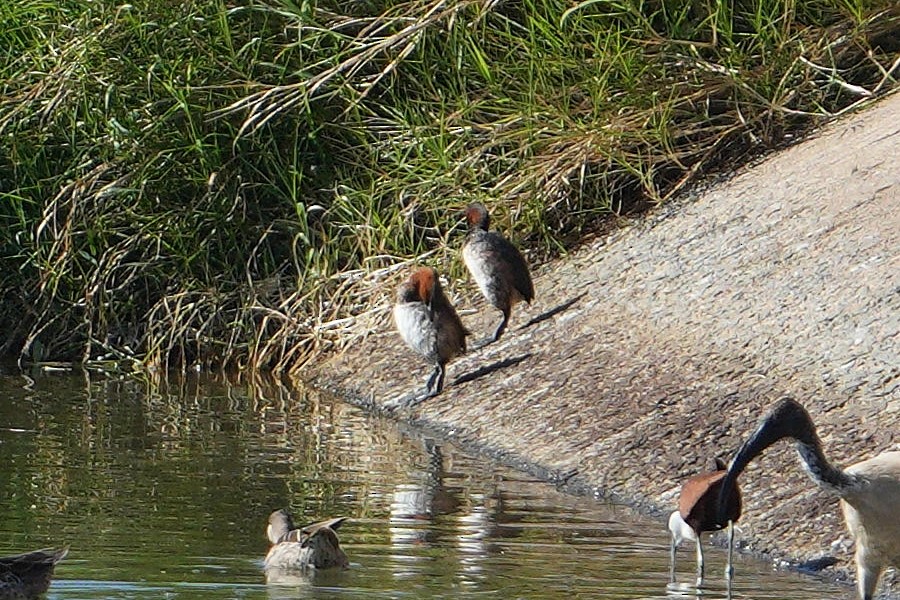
(429, 325)
(496, 265)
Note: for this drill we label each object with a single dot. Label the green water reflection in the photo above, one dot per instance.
(164, 491)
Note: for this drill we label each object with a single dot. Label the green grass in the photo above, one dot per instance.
(223, 184)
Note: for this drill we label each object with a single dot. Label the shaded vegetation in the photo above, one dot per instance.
(230, 184)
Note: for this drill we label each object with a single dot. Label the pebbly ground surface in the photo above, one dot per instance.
(686, 325)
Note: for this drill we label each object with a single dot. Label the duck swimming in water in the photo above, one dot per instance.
(496, 265)
(429, 325)
(314, 546)
(28, 575)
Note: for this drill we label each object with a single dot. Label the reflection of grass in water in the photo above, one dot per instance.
(149, 474)
(197, 182)
(143, 516)
(173, 484)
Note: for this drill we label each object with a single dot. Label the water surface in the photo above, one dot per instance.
(164, 492)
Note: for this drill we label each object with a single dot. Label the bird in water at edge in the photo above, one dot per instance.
(429, 325)
(314, 546)
(28, 575)
(869, 490)
(697, 514)
(497, 267)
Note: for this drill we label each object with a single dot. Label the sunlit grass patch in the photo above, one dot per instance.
(234, 184)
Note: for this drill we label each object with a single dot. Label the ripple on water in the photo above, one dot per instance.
(164, 493)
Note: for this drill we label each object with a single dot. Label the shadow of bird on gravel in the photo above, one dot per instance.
(487, 370)
(553, 311)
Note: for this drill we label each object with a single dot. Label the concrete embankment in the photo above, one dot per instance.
(686, 324)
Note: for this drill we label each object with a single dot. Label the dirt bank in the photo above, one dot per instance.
(687, 324)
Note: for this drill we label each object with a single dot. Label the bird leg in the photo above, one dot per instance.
(867, 576)
(729, 568)
(699, 561)
(502, 327)
(496, 335)
(435, 382)
(433, 387)
(672, 549)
